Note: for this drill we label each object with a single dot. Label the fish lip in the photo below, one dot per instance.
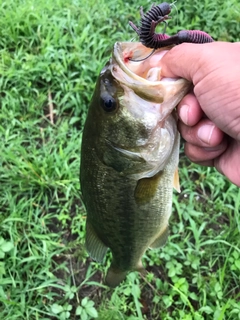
(118, 56)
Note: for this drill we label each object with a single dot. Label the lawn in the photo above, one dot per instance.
(51, 53)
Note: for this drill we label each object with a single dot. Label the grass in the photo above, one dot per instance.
(51, 53)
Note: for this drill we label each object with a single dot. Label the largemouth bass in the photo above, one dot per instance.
(129, 159)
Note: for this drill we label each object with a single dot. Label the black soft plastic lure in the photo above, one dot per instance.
(150, 39)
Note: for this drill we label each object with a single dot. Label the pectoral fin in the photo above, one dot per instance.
(176, 184)
(95, 248)
(146, 188)
(161, 239)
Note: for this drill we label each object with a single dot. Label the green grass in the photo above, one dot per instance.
(51, 53)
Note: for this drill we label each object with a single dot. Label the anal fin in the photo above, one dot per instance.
(160, 240)
(95, 247)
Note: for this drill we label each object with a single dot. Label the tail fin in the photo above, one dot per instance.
(114, 277)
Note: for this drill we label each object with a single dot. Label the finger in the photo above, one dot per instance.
(228, 162)
(207, 163)
(189, 110)
(203, 134)
(204, 156)
(191, 61)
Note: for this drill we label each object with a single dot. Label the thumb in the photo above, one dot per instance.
(185, 61)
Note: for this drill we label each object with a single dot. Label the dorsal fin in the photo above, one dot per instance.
(95, 247)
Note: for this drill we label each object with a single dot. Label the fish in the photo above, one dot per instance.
(129, 159)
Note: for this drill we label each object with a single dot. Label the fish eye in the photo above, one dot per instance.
(108, 103)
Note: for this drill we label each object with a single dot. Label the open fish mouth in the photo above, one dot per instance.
(145, 77)
(123, 53)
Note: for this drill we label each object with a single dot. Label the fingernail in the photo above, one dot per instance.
(183, 114)
(205, 133)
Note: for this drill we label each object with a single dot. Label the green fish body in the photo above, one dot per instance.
(129, 160)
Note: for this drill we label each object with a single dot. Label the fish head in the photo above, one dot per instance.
(130, 120)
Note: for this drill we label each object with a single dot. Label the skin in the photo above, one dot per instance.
(210, 114)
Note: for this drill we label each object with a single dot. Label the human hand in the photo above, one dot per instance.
(210, 116)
